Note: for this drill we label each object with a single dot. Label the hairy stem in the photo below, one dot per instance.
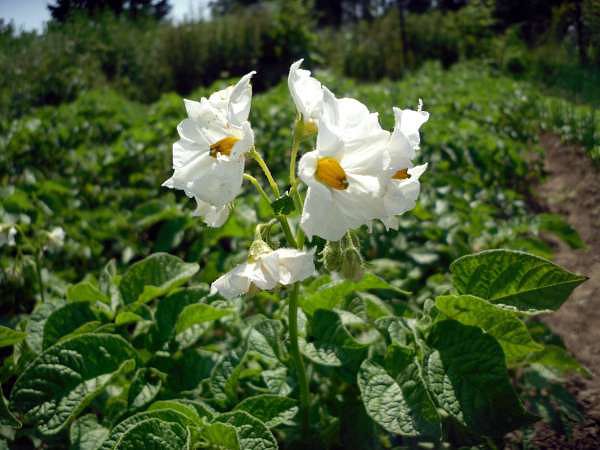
(258, 187)
(263, 165)
(297, 358)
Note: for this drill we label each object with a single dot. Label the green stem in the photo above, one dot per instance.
(258, 187)
(38, 271)
(296, 139)
(263, 165)
(297, 358)
(287, 231)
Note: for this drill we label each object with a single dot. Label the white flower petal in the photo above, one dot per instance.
(306, 92)
(184, 151)
(401, 195)
(213, 216)
(233, 283)
(239, 102)
(408, 122)
(295, 265)
(213, 180)
(245, 144)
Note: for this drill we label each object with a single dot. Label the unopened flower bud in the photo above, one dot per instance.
(352, 264)
(257, 249)
(332, 256)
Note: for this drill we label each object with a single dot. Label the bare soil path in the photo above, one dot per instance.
(572, 188)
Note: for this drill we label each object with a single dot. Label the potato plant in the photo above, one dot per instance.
(286, 337)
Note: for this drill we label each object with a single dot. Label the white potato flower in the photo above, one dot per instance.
(402, 185)
(7, 235)
(307, 94)
(208, 159)
(265, 271)
(345, 173)
(56, 238)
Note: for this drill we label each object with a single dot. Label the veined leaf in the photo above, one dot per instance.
(66, 320)
(331, 295)
(154, 276)
(169, 310)
(189, 410)
(252, 433)
(272, 410)
(401, 405)
(60, 382)
(224, 378)
(503, 324)
(529, 283)
(221, 436)
(85, 291)
(199, 313)
(87, 434)
(8, 336)
(145, 386)
(330, 342)
(164, 416)
(467, 376)
(36, 322)
(154, 434)
(265, 339)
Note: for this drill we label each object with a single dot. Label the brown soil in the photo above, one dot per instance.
(572, 188)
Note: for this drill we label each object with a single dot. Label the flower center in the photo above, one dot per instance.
(330, 172)
(223, 146)
(402, 174)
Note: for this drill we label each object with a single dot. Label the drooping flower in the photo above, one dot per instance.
(208, 159)
(402, 187)
(265, 270)
(307, 94)
(345, 173)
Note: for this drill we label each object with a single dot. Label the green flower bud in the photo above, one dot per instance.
(352, 264)
(331, 256)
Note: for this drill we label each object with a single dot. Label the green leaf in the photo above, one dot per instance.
(36, 322)
(224, 378)
(199, 313)
(169, 310)
(265, 339)
(514, 278)
(127, 317)
(145, 386)
(64, 379)
(277, 380)
(331, 295)
(8, 336)
(154, 276)
(329, 342)
(154, 434)
(467, 376)
(66, 320)
(189, 410)
(559, 360)
(87, 434)
(252, 433)
(272, 410)
(85, 291)
(164, 416)
(503, 324)
(6, 417)
(401, 405)
(283, 205)
(221, 436)
(557, 225)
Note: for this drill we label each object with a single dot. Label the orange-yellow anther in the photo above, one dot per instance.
(223, 146)
(330, 172)
(402, 174)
